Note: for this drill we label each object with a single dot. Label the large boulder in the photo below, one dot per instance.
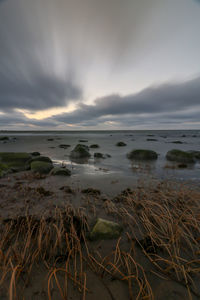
(41, 167)
(15, 160)
(58, 171)
(104, 229)
(80, 151)
(180, 156)
(40, 158)
(142, 154)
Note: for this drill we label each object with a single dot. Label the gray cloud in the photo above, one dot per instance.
(164, 99)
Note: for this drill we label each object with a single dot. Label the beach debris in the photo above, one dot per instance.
(105, 229)
(80, 151)
(59, 171)
(142, 154)
(91, 191)
(180, 156)
(41, 167)
(121, 144)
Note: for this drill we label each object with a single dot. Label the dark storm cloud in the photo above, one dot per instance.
(41, 92)
(165, 99)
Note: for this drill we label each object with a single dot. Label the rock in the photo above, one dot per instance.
(182, 166)
(4, 138)
(83, 141)
(180, 156)
(150, 134)
(3, 169)
(41, 167)
(50, 140)
(80, 151)
(94, 146)
(98, 155)
(44, 192)
(195, 153)
(177, 142)
(60, 172)
(91, 191)
(64, 146)
(41, 158)
(151, 140)
(67, 189)
(142, 154)
(15, 160)
(35, 153)
(121, 144)
(104, 229)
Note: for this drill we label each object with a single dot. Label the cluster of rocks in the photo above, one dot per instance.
(21, 161)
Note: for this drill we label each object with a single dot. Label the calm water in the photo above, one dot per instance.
(118, 167)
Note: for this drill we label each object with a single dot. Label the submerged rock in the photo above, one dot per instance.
(83, 141)
(58, 171)
(142, 154)
(180, 156)
(94, 146)
(41, 167)
(177, 142)
(121, 144)
(104, 229)
(64, 146)
(151, 140)
(80, 151)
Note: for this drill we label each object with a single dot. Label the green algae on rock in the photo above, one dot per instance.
(41, 167)
(142, 154)
(58, 171)
(180, 156)
(80, 151)
(104, 229)
(15, 160)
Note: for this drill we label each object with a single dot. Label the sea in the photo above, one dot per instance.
(116, 169)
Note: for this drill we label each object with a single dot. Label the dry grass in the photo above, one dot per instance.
(161, 238)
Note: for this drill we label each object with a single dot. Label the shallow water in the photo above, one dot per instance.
(117, 169)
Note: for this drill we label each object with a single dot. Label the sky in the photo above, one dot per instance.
(99, 65)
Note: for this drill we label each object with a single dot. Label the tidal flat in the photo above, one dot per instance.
(99, 226)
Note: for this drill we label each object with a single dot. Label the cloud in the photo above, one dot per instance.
(39, 92)
(154, 101)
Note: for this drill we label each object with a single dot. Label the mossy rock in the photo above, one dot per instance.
(104, 229)
(180, 156)
(142, 154)
(195, 153)
(98, 155)
(80, 151)
(41, 158)
(121, 144)
(41, 167)
(94, 146)
(15, 160)
(60, 172)
(3, 169)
